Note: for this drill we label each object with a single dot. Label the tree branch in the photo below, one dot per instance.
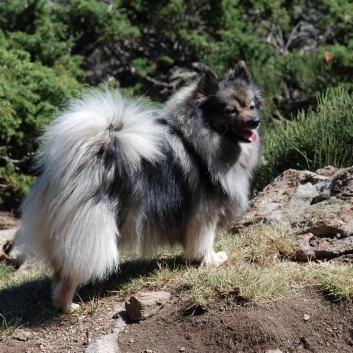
(15, 161)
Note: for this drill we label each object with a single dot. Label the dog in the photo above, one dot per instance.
(117, 173)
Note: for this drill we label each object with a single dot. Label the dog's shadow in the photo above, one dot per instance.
(29, 302)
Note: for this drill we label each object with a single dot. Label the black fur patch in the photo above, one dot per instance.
(160, 188)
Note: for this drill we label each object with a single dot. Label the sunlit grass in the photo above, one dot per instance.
(258, 269)
(5, 272)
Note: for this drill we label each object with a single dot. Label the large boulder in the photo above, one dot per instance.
(317, 206)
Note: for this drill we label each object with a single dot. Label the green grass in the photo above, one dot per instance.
(5, 272)
(258, 269)
(9, 326)
(311, 140)
(25, 297)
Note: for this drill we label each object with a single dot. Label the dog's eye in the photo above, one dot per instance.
(231, 111)
(252, 107)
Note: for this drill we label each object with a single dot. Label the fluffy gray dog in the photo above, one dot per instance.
(117, 174)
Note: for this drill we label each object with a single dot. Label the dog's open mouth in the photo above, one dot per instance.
(239, 134)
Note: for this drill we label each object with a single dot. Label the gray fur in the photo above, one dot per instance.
(118, 174)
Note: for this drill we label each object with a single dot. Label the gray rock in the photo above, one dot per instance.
(22, 335)
(6, 239)
(306, 317)
(119, 319)
(145, 304)
(317, 206)
(8, 249)
(104, 344)
(7, 235)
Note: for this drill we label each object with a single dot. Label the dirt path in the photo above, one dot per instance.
(229, 325)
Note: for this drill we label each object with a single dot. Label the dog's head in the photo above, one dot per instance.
(230, 106)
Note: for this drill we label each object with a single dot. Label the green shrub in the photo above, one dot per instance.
(311, 140)
(30, 94)
(49, 49)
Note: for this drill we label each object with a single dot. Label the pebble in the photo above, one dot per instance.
(21, 335)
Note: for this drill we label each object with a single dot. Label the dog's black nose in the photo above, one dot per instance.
(255, 122)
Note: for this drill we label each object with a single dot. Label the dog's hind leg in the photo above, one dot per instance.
(85, 248)
(63, 293)
(199, 245)
(56, 279)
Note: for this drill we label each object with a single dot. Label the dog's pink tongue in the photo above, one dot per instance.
(249, 135)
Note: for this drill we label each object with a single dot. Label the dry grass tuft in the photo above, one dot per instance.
(258, 269)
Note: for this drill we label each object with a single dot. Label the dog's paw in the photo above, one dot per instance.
(71, 308)
(219, 258)
(214, 258)
(75, 306)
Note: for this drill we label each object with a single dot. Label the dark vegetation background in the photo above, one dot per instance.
(300, 54)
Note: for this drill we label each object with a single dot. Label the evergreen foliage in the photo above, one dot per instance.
(49, 50)
(30, 94)
(312, 140)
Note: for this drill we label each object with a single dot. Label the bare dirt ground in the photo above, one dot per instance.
(304, 321)
(229, 325)
(232, 326)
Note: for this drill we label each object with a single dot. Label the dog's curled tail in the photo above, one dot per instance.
(64, 223)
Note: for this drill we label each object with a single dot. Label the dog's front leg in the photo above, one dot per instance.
(199, 245)
(213, 258)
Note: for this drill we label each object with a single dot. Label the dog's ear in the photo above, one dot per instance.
(208, 81)
(240, 72)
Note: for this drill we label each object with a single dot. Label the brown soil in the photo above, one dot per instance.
(8, 220)
(233, 326)
(229, 325)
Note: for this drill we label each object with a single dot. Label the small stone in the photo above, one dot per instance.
(104, 344)
(182, 349)
(21, 335)
(306, 317)
(145, 304)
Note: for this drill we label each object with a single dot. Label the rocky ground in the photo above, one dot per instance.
(303, 322)
(318, 206)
